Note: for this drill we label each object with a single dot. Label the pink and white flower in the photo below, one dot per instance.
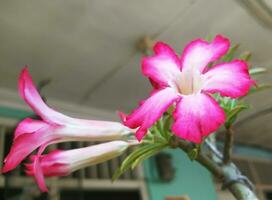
(53, 127)
(187, 83)
(62, 163)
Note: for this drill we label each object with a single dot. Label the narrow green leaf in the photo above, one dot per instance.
(246, 56)
(116, 175)
(257, 70)
(233, 103)
(229, 56)
(167, 122)
(130, 159)
(209, 37)
(233, 114)
(193, 153)
(147, 155)
(160, 124)
(133, 156)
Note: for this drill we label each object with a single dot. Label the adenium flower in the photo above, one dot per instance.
(187, 83)
(53, 127)
(62, 163)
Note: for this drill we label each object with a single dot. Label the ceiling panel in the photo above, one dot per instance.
(124, 89)
(88, 48)
(76, 42)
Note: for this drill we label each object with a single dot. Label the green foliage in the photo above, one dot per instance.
(136, 157)
(257, 70)
(156, 140)
(231, 53)
(193, 153)
(233, 107)
(246, 56)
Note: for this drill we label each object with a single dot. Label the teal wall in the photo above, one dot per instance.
(249, 151)
(190, 179)
(252, 152)
(14, 113)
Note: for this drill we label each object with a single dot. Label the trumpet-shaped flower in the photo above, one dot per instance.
(187, 83)
(53, 127)
(62, 163)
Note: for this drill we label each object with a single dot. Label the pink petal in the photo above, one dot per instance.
(24, 144)
(61, 163)
(32, 97)
(155, 85)
(55, 169)
(199, 53)
(37, 169)
(28, 125)
(38, 174)
(196, 116)
(150, 111)
(122, 116)
(229, 79)
(163, 67)
(51, 165)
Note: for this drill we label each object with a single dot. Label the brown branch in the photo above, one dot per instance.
(225, 173)
(228, 145)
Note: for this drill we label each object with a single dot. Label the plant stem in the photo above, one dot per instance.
(228, 145)
(240, 190)
(225, 173)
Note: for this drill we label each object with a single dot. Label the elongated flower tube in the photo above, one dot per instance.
(187, 83)
(54, 127)
(62, 163)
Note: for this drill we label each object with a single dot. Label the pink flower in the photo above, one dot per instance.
(187, 82)
(62, 163)
(53, 127)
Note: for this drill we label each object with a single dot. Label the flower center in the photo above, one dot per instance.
(190, 82)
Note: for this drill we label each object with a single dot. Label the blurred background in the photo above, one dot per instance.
(90, 51)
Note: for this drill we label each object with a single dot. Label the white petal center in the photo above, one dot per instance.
(190, 82)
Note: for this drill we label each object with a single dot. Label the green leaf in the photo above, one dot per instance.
(229, 56)
(192, 154)
(232, 115)
(143, 152)
(245, 56)
(227, 103)
(233, 103)
(116, 175)
(257, 70)
(167, 122)
(135, 154)
(128, 161)
(147, 155)
(159, 124)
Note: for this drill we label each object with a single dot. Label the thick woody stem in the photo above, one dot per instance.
(240, 190)
(226, 173)
(228, 145)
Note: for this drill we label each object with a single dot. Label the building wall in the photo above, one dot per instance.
(191, 179)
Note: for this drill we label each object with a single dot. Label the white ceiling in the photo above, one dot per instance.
(88, 48)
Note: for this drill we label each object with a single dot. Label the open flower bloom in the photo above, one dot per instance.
(187, 83)
(54, 127)
(62, 163)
